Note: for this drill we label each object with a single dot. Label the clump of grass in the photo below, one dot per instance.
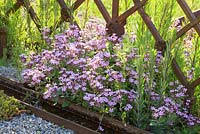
(9, 106)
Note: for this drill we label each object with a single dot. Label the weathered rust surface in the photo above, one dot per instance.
(108, 122)
(18, 90)
(78, 129)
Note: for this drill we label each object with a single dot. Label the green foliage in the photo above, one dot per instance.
(9, 106)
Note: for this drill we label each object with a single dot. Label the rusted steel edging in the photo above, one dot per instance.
(78, 129)
(115, 23)
(19, 86)
(20, 92)
(95, 117)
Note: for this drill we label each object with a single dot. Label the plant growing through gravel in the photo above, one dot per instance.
(9, 106)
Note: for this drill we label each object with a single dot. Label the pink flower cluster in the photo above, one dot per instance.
(175, 103)
(83, 62)
(111, 98)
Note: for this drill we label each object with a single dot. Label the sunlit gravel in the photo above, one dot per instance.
(30, 124)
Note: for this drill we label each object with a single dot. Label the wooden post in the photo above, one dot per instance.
(3, 40)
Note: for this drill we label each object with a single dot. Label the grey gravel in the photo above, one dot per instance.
(30, 124)
(10, 72)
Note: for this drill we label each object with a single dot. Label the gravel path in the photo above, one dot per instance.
(30, 124)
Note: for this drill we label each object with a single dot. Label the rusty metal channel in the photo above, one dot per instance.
(78, 129)
(63, 116)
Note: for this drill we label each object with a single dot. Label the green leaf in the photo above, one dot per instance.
(123, 116)
(65, 104)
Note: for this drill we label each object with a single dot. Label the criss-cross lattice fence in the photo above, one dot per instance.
(115, 24)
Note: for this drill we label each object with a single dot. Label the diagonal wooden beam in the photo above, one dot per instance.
(15, 7)
(130, 11)
(182, 18)
(65, 12)
(195, 83)
(189, 14)
(103, 11)
(32, 13)
(187, 27)
(183, 80)
(179, 73)
(115, 9)
(160, 43)
(148, 22)
(3, 40)
(77, 4)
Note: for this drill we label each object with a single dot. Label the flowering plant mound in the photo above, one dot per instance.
(175, 104)
(100, 71)
(83, 65)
